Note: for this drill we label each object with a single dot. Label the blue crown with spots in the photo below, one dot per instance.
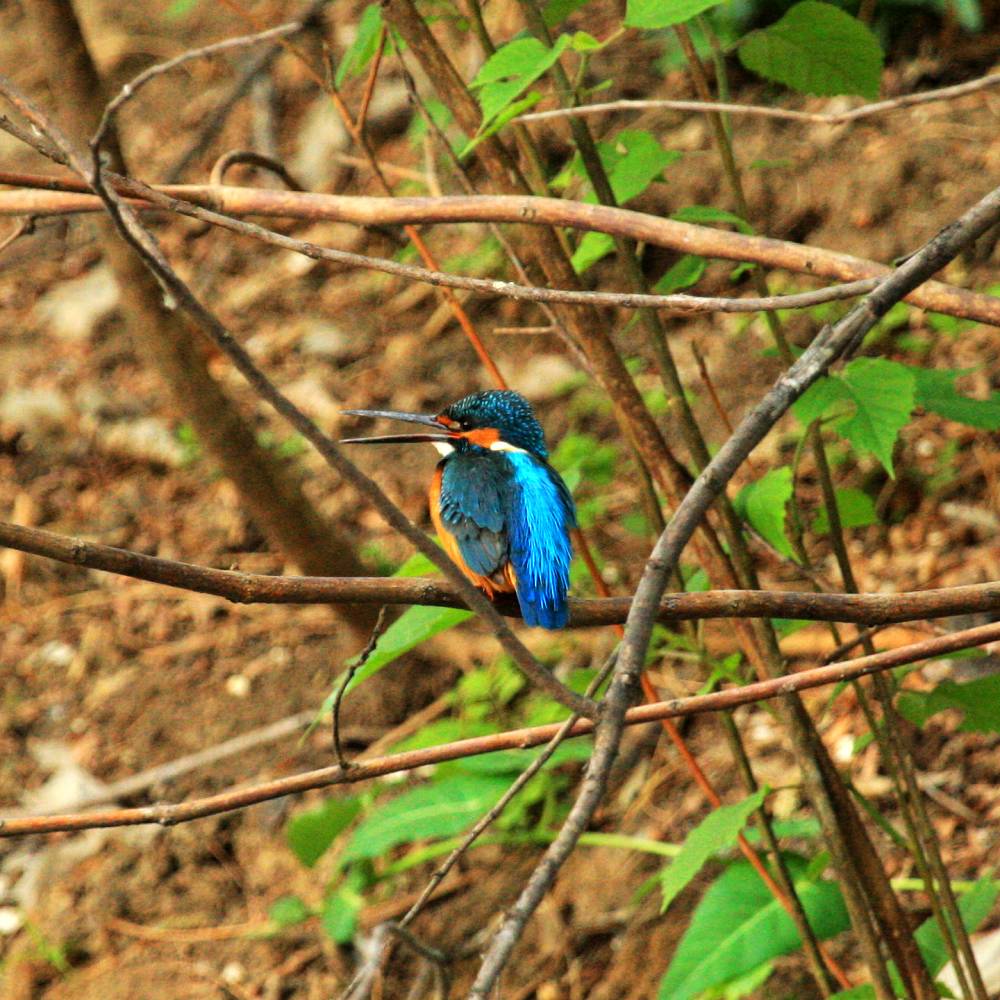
(506, 411)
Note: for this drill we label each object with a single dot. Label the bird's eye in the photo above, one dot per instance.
(465, 424)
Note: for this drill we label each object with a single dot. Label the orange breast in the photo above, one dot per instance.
(503, 582)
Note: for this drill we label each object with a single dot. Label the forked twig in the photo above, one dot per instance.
(381, 623)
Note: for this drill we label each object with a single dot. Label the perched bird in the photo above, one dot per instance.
(501, 511)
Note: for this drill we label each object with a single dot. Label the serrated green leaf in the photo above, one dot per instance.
(714, 833)
(288, 911)
(816, 48)
(883, 395)
(357, 57)
(974, 905)
(739, 925)
(856, 508)
(936, 392)
(978, 699)
(442, 809)
(764, 504)
(652, 14)
(511, 70)
(311, 833)
(508, 114)
(817, 400)
(685, 273)
(592, 248)
(703, 215)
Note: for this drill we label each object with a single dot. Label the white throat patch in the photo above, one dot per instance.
(443, 447)
(505, 446)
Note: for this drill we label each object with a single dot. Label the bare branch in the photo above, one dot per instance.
(764, 111)
(171, 814)
(226, 45)
(208, 204)
(255, 588)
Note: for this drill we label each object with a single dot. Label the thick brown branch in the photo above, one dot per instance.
(681, 236)
(255, 588)
(183, 812)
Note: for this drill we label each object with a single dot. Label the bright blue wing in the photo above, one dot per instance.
(475, 495)
(542, 515)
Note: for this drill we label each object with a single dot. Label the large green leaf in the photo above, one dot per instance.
(664, 13)
(816, 48)
(935, 391)
(511, 70)
(882, 393)
(738, 925)
(764, 503)
(441, 809)
(713, 834)
(978, 699)
(311, 833)
(856, 509)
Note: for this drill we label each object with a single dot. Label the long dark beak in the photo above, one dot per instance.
(410, 418)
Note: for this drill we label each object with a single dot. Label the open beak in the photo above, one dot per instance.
(411, 418)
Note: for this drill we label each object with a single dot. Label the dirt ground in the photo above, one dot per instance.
(102, 677)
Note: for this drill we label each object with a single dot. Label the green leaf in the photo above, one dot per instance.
(556, 11)
(883, 396)
(591, 249)
(714, 833)
(936, 392)
(857, 510)
(508, 114)
(339, 917)
(764, 504)
(863, 992)
(746, 985)
(311, 833)
(511, 70)
(816, 48)
(738, 925)
(978, 699)
(664, 13)
(974, 905)
(357, 57)
(819, 398)
(288, 911)
(637, 159)
(703, 215)
(442, 809)
(685, 273)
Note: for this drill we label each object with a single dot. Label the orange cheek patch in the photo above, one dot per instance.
(483, 436)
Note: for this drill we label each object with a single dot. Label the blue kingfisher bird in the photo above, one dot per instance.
(503, 514)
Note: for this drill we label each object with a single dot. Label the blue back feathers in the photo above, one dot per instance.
(510, 506)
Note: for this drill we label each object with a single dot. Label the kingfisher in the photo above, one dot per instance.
(503, 514)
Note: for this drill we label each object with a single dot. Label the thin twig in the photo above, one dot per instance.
(137, 83)
(171, 814)
(254, 159)
(381, 623)
(764, 111)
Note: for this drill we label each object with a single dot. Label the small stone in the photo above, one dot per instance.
(72, 309)
(238, 685)
(324, 340)
(544, 375)
(320, 136)
(11, 920)
(34, 409)
(147, 439)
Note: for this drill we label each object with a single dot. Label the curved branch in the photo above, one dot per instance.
(258, 588)
(242, 797)
(684, 237)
